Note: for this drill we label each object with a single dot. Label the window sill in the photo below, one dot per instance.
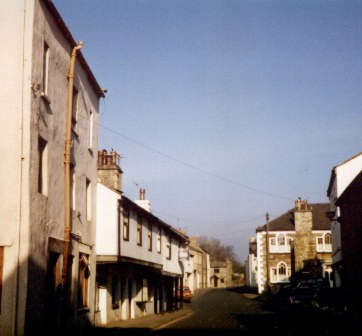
(126, 239)
(45, 97)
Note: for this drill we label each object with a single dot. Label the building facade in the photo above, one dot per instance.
(34, 105)
(341, 176)
(286, 244)
(251, 264)
(350, 206)
(200, 265)
(221, 273)
(140, 261)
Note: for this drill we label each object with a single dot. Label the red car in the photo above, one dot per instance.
(187, 295)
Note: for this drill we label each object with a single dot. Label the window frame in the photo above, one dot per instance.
(45, 78)
(139, 229)
(88, 198)
(43, 166)
(169, 247)
(150, 237)
(75, 108)
(159, 240)
(125, 223)
(90, 133)
(83, 281)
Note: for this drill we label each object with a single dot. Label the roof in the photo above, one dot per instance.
(126, 201)
(285, 222)
(68, 35)
(333, 172)
(353, 193)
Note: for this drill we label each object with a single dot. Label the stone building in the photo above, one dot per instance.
(33, 121)
(221, 273)
(251, 264)
(201, 266)
(286, 244)
(341, 176)
(140, 258)
(350, 218)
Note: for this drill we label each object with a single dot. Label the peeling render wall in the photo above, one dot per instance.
(47, 211)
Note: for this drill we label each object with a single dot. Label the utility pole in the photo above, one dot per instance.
(267, 249)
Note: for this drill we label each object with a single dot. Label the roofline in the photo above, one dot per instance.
(263, 227)
(69, 37)
(333, 173)
(155, 218)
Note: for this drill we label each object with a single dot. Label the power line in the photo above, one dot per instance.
(191, 166)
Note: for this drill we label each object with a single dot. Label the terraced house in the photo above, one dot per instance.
(286, 244)
(140, 258)
(47, 110)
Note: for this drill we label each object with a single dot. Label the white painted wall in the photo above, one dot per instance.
(16, 28)
(107, 221)
(131, 249)
(345, 173)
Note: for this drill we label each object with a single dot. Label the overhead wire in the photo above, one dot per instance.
(192, 166)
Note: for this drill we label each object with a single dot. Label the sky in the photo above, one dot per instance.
(224, 110)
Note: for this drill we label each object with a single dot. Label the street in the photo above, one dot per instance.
(227, 312)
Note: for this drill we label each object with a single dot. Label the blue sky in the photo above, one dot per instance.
(265, 94)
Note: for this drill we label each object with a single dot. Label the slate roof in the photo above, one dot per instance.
(285, 222)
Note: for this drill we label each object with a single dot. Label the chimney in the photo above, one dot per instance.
(142, 202)
(109, 172)
(303, 243)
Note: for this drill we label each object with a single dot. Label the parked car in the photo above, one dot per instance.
(187, 294)
(302, 295)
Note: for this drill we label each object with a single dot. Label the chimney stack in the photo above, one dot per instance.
(109, 172)
(303, 222)
(142, 202)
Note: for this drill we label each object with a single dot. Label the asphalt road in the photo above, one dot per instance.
(218, 309)
(224, 312)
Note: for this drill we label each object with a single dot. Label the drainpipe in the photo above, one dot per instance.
(68, 147)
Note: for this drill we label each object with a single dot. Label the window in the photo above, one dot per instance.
(88, 199)
(279, 243)
(83, 280)
(279, 273)
(90, 134)
(72, 188)
(43, 166)
(159, 240)
(114, 293)
(217, 270)
(1, 272)
(45, 68)
(324, 243)
(139, 230)
(168, 248)
(149, 237)
(125, 216)
(74, 107)
(281, 239)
